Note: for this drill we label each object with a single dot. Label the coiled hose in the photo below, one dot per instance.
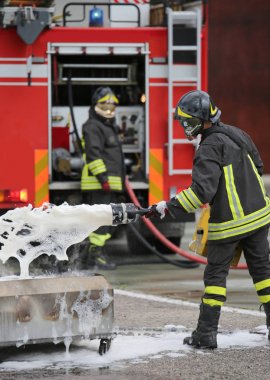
(164, 240)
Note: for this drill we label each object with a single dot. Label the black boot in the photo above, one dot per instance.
(205, 335)
(97, 257)
(266, 307)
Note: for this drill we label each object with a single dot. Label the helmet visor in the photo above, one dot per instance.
(106, 110)
(192, 126)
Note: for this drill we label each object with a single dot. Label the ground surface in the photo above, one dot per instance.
(135, 315)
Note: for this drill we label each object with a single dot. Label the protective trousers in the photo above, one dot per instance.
(256, 252)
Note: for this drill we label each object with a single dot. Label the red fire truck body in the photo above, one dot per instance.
(29, 97)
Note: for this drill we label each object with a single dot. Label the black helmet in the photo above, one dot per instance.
(104, 102)
(193, 109)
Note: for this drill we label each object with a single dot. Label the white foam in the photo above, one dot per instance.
(135, 348)
(27, 232)
(89, 310)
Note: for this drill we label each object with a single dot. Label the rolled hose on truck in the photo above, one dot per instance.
(164, 240)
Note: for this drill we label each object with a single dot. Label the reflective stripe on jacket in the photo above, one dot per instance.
(103, 154)
(226, 174)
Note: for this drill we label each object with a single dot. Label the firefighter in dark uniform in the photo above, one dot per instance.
(103, 173)
(226, 174)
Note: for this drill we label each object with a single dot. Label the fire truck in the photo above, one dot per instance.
(48, 71)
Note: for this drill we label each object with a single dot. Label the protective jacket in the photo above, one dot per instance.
(103, 154)
(226, 174)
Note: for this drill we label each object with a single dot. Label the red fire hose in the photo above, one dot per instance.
(164, 240)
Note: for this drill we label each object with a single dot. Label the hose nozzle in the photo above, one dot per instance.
(124, 213)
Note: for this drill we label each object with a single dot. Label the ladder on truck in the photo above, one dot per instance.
(178, 77)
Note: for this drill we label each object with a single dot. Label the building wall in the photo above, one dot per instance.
(239, 66)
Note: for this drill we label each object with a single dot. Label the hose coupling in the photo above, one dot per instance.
(124, 213)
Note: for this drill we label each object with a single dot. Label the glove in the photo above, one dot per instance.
(124, 213)
(157, 210)
(161, 209)
(103, 179)
(106, 186)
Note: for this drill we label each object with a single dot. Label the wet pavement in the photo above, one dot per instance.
(143, 317)
(135, 310)
(185, 284)
(171, 281)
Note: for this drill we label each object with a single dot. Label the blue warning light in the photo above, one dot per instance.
(96, 17)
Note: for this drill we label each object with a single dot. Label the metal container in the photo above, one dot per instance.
(54, 309)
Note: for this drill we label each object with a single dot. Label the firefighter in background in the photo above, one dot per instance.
(226, 173)
(103, 172)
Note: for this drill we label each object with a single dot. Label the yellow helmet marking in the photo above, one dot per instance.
(109, 97)
(181, 113)
(212, 111)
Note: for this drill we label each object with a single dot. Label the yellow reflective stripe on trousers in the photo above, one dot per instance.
(98, 240)
(219, 290)
(248, 223)
(188, 200)
(234, 201)
(97, 166)
(262, 285)
(212, 302)
(259, 180)
(264, 299)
